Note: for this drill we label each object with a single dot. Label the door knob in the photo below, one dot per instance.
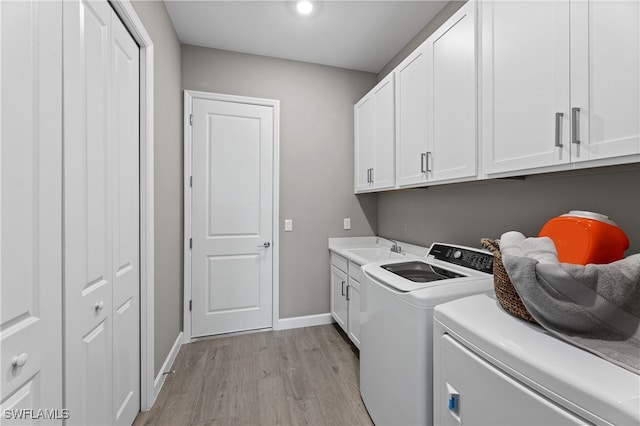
(19, 360)
(266, 244)
(99, 305)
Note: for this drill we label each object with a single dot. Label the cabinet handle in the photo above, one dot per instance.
(99, 306)
(343, 288)
(559, 129)
(575, 128)
(348, 297)
(371, 175)
(427, 156)
(423, 158)
(368, 175)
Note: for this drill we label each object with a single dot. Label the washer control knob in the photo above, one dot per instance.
(457, 254)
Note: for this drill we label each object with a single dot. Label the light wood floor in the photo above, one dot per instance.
(291, 377)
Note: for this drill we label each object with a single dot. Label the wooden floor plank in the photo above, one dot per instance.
(305, 376)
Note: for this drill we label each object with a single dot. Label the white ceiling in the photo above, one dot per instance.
(362, 35)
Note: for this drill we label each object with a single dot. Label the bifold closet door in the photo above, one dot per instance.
(101, 204)
(30, 200)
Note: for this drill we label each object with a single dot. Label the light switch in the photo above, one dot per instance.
(347, 223)
(288, 225)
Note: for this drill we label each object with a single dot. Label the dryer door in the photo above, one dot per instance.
(473, 391)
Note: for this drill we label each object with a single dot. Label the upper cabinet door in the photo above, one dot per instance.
(605, 82)
(364, 117)
(411, 118)
(525, 80)
(384, 171)
(452, 100)
(375, 138)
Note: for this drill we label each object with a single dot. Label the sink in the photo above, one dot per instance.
(371, 254)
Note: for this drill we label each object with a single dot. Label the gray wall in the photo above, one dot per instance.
(464, 213)
(316, 158)
(168, 176)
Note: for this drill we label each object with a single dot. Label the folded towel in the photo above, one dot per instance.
(511, 243)
(595, 307)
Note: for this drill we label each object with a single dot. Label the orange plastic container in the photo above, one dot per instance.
(584, 237)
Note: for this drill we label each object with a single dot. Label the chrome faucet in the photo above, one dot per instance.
(395, 248)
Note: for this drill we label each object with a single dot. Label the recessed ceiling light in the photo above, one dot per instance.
(304, 7)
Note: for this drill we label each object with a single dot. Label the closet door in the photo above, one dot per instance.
(101, 202)
(88, 248)
(126, 218)
(31, 210)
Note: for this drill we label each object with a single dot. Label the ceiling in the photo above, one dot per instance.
(361, 35)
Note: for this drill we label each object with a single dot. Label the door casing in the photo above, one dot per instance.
(189, 95)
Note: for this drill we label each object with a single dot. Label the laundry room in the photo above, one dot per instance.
(307, 216)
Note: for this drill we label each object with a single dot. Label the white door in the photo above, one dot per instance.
(525, 81)
(88, 217)
(31, 208)
(232, 216)
(383, 173)
(364, 118)
(605, 82)
(411, 113)
(126, 225)
(451, 94)
(100, 216)
(339, 305)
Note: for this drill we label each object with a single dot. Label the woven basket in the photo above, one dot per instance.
(505, 291)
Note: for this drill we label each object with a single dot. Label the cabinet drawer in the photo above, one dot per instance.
(339, 262)
(355, 273)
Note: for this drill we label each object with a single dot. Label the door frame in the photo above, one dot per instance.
(189, 96)
(133, 24)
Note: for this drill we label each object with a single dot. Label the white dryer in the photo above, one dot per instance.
(493, 369)
(396, 327)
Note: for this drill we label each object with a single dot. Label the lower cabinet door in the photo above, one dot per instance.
(353, 324)
(339, 297)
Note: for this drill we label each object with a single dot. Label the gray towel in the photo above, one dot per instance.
(595, 307)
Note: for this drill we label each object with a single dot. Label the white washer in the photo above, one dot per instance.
(492, 368)
(396, 314)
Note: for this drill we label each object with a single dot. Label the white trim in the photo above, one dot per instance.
(189, 95)
(134, 25)
(166, 366)
(306, 321)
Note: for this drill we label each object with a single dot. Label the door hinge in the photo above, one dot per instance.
(190, 243)
(191, 119)
(191, 181)
(190, 303)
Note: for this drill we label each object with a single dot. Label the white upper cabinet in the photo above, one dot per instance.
(375, 138)
(525, 84)
(560, 83)
(411, 118)
(605, 79)
(452, 98)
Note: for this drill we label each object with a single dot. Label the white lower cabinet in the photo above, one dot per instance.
(353, 300)
(338, 296)
(345, 296)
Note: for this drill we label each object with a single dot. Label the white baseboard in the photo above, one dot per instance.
(305, 321)
(166, 366)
